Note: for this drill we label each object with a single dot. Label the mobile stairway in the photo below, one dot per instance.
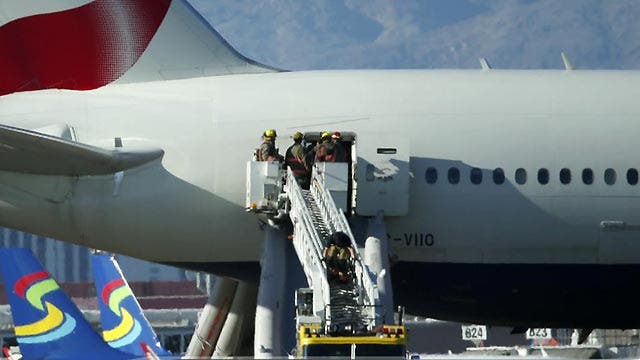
(340, 308)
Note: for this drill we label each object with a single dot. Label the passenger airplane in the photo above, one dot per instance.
(47, 324)
(512, 196)
(124, 325)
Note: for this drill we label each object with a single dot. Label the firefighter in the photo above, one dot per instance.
(268, 151)
(295, 158)
(340, 153)
(325, 149)
(339, 256)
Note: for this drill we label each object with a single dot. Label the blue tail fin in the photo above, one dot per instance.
(47, 324)
(123, 321)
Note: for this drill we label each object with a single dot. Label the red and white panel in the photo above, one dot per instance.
(80, 48)
(83, 45)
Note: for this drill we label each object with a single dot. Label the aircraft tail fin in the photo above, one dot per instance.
(123, 322)
(84, 44)
(47, 324)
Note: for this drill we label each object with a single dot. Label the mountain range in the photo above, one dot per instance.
(511, 34)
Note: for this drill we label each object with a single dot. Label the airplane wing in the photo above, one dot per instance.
(31, 152)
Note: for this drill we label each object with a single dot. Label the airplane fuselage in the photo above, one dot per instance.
(188, 208)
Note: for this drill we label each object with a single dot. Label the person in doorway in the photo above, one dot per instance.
(310, 148)
(339, 256)
(325, 150)
(267, 150)
(340, 153)
(295, 158)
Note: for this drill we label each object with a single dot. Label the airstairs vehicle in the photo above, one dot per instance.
(333, 315)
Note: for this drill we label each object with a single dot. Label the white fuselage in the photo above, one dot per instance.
(189, 207)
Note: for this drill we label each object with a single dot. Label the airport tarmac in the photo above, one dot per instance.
(441, 337)
(434, 339)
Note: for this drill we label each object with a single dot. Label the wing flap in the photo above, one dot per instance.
(31, 152)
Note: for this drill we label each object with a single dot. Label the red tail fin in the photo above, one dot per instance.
(6, 352)
(148, 353)
(81, 48)
(91, 45)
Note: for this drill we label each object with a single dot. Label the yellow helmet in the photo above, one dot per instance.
(325, 135)
(297, 135)
(271, 133)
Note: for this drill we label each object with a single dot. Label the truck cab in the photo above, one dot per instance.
(388, 341)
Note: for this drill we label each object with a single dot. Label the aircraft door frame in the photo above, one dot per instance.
(381, 174)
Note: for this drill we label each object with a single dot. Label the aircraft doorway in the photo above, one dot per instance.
(378, 172)
(341, 188)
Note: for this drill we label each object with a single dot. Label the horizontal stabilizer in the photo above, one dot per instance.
(31, 152)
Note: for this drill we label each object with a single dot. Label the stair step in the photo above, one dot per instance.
(344, 306)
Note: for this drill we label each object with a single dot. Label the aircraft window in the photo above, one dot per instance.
(521, 176)
(431, 175)
(498, 176)
(632, 176)
(610, 176)
(587, 176)
(475, 176)
(543, 176)
(565, 176)
(454, 175)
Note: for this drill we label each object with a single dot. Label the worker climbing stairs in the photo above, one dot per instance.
(345, 305)
(340, 302)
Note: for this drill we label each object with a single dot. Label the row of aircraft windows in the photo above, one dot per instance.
(520, 176)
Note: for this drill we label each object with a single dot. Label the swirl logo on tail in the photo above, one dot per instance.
(55, 324)
(129, 328)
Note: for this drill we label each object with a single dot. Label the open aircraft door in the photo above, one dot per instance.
(381, 175)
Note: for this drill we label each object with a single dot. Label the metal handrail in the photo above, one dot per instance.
(336, 219)
(307, 241)
(310, 246)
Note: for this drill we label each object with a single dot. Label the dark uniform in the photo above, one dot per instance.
(295, 159)
(340, 152)
(310, 156)
(339, 257)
